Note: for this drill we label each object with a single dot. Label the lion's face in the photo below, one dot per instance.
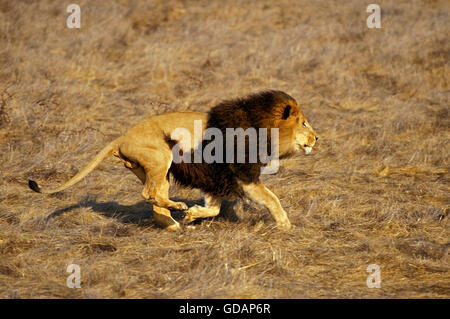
(305, 137)
(296, 134)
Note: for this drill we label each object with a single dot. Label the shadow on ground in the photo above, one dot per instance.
(141, 212)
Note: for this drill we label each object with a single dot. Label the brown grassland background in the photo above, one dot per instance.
(375, 190)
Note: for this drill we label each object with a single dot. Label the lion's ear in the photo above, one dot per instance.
(286, 112)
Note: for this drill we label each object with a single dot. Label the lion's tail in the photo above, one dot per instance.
(104, 153)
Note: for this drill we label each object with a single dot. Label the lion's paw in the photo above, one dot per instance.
(284, 225)
(180, 206)
(174, 227)
(191, 214)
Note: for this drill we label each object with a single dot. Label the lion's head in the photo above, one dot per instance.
(295, 132)
(267, 109)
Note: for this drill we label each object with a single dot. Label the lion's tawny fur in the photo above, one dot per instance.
(146, 150)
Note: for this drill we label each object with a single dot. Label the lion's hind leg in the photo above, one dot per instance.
(211, 209)
(140, 173)
(151, 165)
(161, 215)
(163, 218)
(160, 195)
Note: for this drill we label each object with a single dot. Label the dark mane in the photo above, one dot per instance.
(251, 111)
(221, 179)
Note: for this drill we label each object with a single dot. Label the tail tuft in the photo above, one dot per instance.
(34, 186)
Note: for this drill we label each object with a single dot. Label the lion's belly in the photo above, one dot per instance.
(215, 179)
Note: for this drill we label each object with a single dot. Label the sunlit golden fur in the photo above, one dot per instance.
(146, 150)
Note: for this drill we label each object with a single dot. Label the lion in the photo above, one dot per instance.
(147, 150)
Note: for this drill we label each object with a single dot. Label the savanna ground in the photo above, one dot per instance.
(375, 190)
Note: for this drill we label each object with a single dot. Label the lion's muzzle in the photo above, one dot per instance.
(307, 150)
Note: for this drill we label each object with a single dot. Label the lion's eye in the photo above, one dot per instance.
(304, 124)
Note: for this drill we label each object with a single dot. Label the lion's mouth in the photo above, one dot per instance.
(307, 149)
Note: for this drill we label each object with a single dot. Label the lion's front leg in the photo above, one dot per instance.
(211, 209)
(263, 196)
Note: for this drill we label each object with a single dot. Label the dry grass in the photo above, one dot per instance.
(376, 189)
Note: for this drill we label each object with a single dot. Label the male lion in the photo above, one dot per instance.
(146, 150)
